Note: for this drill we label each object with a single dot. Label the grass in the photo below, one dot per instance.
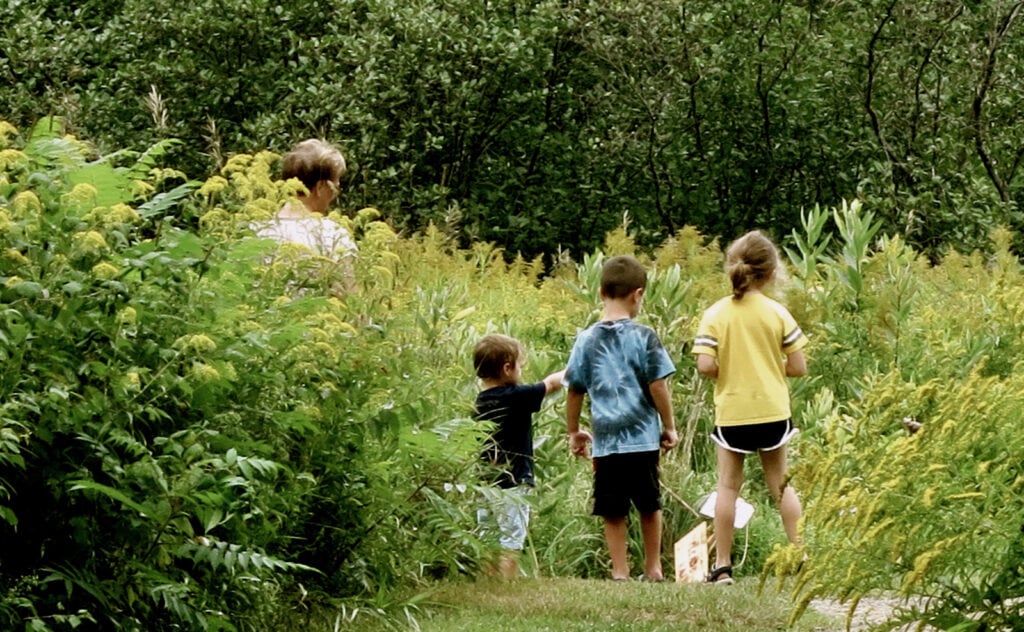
(568, 605)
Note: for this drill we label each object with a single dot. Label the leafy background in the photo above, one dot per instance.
(537, 125)
(194, 433)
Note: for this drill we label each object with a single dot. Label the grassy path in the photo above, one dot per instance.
(570, 605)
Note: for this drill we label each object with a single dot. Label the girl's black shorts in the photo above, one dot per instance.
(754, 437)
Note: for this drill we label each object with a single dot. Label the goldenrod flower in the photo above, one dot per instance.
(89, 242)
(11, 157)
(236, 163)
(15, 255)
(80, 196)
(214, 218)
(215, 184)
(6, 129)
(199, 343)
(105, 271)
(127, 316)
(204, 373)
(141, 188)
(26, 203)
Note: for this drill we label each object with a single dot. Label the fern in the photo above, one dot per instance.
(236, 559)
(163, 203)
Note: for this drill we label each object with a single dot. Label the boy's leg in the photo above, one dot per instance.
(774, 464)
(650, 526)
(513, 515)
(730, 479)
(615, 535)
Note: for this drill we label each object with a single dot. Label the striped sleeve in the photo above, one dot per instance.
(794, 338)
(706, 342)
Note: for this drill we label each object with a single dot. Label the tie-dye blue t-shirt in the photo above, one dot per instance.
(614, 362)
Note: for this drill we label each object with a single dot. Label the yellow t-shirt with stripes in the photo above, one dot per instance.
(750, 338)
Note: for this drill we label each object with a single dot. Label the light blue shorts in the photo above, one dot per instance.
(509, 510)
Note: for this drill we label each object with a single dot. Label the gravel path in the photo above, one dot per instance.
(870, 612)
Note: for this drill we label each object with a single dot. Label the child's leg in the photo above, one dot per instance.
(615, 535)
(650, 527)
(774, 464)
(730, 479)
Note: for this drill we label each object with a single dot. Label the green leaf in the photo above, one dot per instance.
(112, 493)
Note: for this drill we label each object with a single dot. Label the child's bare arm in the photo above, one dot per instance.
(796, 364)
(707, 365)
(553, 382)
(578, 439)
(662, 396)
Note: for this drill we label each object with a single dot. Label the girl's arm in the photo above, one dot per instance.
(707, 365)
(796, 364)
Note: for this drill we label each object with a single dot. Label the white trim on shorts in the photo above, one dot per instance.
(792, 432)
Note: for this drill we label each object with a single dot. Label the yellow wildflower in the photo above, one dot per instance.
(6, 130)
(367, 215)
(5, 221)
(105, 271)
(214, 218)
(162, 174)
(127, 316)
(204, 373)
(215, 184)
(141, 188)
(26, 203)
(199, 343)
(228, 372)
(131, 380)
(15, 255)
(89, 242)
(237, 163)
(12, 281)
(11, 157)
(80, 196)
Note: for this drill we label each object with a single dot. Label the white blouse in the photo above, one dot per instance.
(322, 235)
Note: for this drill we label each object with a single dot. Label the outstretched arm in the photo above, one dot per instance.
(553, 382)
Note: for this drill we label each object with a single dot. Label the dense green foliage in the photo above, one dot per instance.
(195, 433)
(538, 125)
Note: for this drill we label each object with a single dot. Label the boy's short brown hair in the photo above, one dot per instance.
(313, 160)
(493, 352)
(621, 276)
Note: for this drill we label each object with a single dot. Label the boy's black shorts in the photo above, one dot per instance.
(621, 479)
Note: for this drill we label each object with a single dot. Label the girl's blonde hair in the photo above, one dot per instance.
(751, 262)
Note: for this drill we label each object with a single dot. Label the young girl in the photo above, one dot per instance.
(749, 344)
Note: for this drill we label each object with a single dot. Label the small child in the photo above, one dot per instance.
(749, 344)
(509, 405)
(624, 369)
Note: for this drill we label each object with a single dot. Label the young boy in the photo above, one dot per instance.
(508, 452)
(624, 368)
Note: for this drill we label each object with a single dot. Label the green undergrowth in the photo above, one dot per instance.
(566, 605)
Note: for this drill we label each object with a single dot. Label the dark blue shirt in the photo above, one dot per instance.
(509, 449)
